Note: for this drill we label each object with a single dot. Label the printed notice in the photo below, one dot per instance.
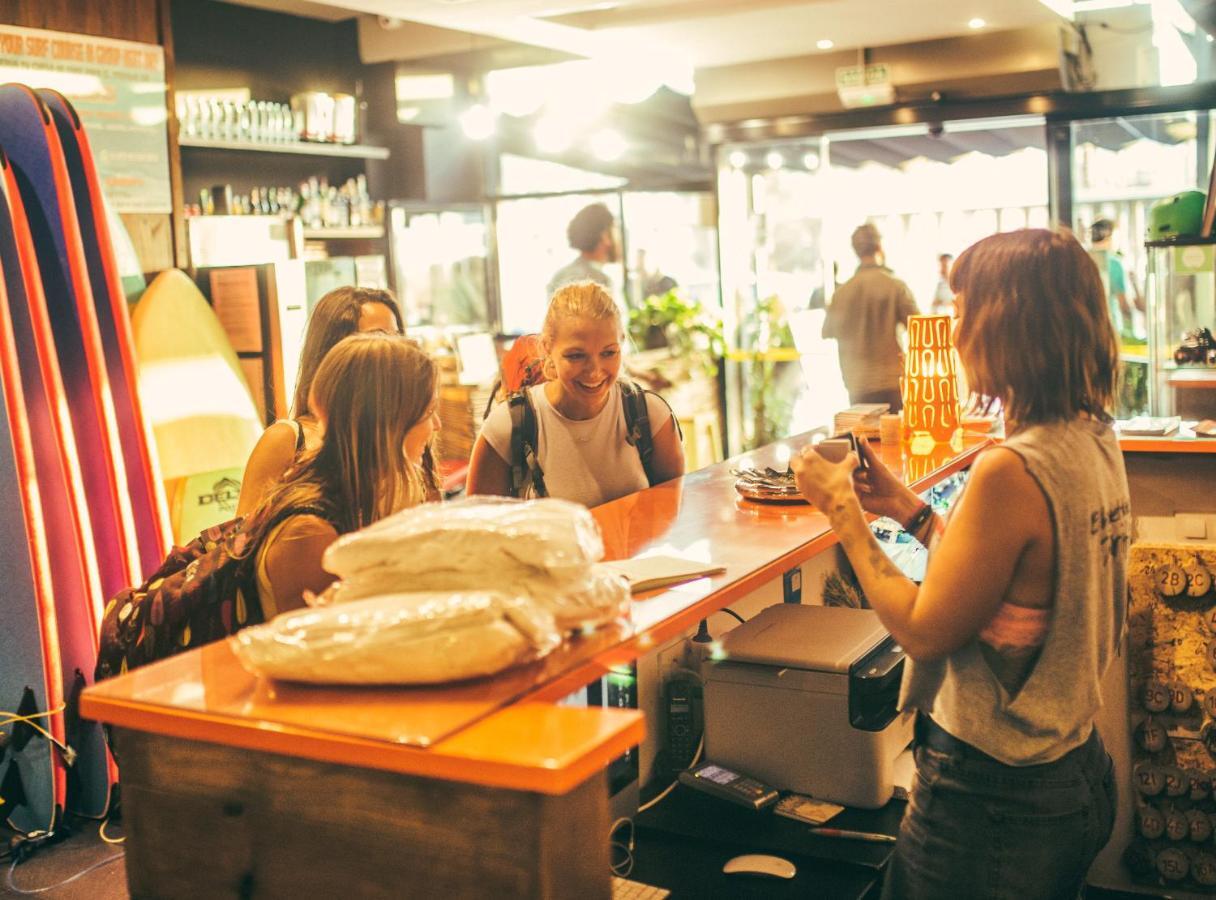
(118, 90)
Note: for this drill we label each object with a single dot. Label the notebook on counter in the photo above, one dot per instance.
(1149, 426)
(650, 572)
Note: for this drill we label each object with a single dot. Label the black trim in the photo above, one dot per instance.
(1053, 106)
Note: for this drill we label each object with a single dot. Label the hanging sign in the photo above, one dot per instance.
(118, 89)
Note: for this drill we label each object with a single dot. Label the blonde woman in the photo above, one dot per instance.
(1024, 602)
(582, 435)
(376, 398)
(340, 313)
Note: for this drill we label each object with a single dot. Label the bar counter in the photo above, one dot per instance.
(477, 788)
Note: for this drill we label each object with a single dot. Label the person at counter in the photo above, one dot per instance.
(376, 396)
(864, 317)
(340, 313)
(585, 448)
(592, 232)
(1024, 601)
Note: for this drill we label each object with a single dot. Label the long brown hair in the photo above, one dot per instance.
(371, 388)
(1035, 331)
(335, 316)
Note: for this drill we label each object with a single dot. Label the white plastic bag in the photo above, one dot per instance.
(399, 639)
(586, 602)
(486, 536)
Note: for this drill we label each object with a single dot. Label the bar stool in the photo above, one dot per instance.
(702, 440)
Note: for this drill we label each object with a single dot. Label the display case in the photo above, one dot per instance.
(439, 261)
(1182, 318)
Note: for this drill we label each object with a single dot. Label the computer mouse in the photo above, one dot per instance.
(760, 864)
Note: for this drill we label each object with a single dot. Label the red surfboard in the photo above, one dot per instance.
(33, 781)
(65, 514)
(29, 137)
(143, 476)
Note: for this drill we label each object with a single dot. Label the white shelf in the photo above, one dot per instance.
(362, 232)
(298, 148)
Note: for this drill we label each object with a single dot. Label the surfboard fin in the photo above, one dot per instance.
(12, 790)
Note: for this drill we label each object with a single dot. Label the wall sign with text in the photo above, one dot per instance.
(118, 89)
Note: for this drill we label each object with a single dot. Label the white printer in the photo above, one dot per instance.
(804, 698)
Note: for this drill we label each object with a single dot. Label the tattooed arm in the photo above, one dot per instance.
(1001, 514)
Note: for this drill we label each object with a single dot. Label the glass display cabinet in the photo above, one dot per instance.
(1182, 318)
(439, 259)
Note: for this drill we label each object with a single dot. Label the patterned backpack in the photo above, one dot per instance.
(202, 592)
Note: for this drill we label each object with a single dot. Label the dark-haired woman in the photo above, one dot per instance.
(1023, 604)
(342, 312)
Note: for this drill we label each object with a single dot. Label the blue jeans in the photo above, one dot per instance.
(977, 828)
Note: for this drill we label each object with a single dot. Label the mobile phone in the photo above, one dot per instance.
(719, 781)
(837, 448)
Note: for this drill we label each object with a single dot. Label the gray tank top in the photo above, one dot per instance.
(1079, 466)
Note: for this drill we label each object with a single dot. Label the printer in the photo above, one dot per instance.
(804, 698)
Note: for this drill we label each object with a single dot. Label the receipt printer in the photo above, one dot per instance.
(804, 698)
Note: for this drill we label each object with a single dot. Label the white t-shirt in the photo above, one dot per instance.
(587, 461)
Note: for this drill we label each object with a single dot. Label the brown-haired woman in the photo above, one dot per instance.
(375, 396)
(342, 312)
(1023, 604)
(584, 447)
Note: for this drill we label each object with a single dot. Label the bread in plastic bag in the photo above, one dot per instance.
(486, 535)
(399, 639)
(583, 603)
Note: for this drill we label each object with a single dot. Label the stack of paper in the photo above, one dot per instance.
(650, 572)
(1150, 426)
(861, 419)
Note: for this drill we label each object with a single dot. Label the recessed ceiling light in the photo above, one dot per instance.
(976, 23)
(737, 159)
(825, 44)
(478, 122)
(774, 160)
(811, 160)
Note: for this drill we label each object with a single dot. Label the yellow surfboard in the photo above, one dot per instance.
(196, 400)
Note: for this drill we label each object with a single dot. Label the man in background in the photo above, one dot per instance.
(592, 232)
(943, 297)
(864, 317)
(1101, 241)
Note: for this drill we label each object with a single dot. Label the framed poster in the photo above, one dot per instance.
(118, 89)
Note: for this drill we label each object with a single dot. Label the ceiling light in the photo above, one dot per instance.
(811, 160)
(774, 160)
(608, 145)
(737, 159)
(825, 44)
(553, 135)
(976, 23)
(477, 122)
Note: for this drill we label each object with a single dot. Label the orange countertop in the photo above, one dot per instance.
(504, 731)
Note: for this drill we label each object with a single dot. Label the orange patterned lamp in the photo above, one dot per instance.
(931, 409)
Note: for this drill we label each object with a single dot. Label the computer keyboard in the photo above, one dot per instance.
(624, 889)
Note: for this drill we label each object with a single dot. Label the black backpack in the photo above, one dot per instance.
(201, 593)
(525, 462)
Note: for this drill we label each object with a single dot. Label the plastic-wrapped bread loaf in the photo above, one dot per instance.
(598, 596)
(399, 639)
(482, 536)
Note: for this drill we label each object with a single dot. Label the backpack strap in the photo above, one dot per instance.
(637, 424)
(524, 452)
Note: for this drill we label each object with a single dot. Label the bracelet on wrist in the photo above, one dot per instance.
(919, 519)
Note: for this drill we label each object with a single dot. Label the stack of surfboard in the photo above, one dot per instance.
(82, 507)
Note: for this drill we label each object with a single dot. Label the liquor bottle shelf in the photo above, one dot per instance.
(299, 148)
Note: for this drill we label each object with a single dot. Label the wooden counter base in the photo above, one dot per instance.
(208, 821)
